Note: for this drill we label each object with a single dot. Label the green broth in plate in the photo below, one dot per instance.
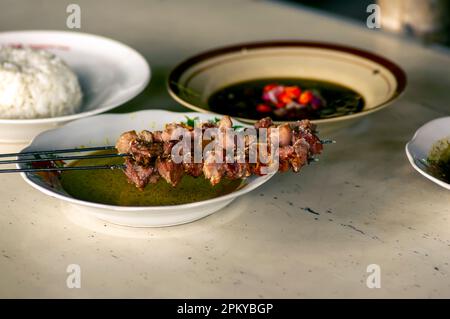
(112, 188)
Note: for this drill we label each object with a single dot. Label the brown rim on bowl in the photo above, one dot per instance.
(179, 70)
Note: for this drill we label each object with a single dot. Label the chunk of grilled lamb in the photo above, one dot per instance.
(139, 146)
(212, 169)
(305, 129)
(301, 148)
(225, 123)
(145, 153)
(237, 170)
(264, 123)
(193, 169)
(138, 174)
(170, 171)
(146, 136)
(284, 134)
(123, 144)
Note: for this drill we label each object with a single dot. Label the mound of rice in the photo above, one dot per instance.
(36, 84)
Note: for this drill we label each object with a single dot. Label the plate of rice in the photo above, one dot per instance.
(48, 78)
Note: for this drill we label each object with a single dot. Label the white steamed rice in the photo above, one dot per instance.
(36, 84)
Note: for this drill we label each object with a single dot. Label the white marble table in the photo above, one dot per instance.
(371, 206)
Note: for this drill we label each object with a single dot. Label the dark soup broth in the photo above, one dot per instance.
(111, 187)
(286, 99)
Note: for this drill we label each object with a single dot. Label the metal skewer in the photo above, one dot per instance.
(70, 150)
(38, 158)
(327, 141)
(58, 169)
(61, 158)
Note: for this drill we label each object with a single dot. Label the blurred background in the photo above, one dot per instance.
(168, 31)
(425, 20)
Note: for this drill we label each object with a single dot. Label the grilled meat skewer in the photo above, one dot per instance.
(151, 152)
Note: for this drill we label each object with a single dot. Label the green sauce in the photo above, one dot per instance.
(111, 187)
(439, 159)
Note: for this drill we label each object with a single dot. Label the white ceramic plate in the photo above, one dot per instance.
(110, 74)
(377, 79)
(422, 142)
(104, 130)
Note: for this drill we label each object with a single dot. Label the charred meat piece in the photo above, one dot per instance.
(237, 170)
(193, 169)
(123, 144)
(139, 175)
(264, 123)
(143, 152)
(284, 134)
(170, 171)
(146, 136)
(301, 148)
(305, 129)
(212, 169)
(140, 146)
(225, 122)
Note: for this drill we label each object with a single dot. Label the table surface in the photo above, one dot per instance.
(371, 206)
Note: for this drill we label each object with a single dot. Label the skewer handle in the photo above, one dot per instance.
(59, 169)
